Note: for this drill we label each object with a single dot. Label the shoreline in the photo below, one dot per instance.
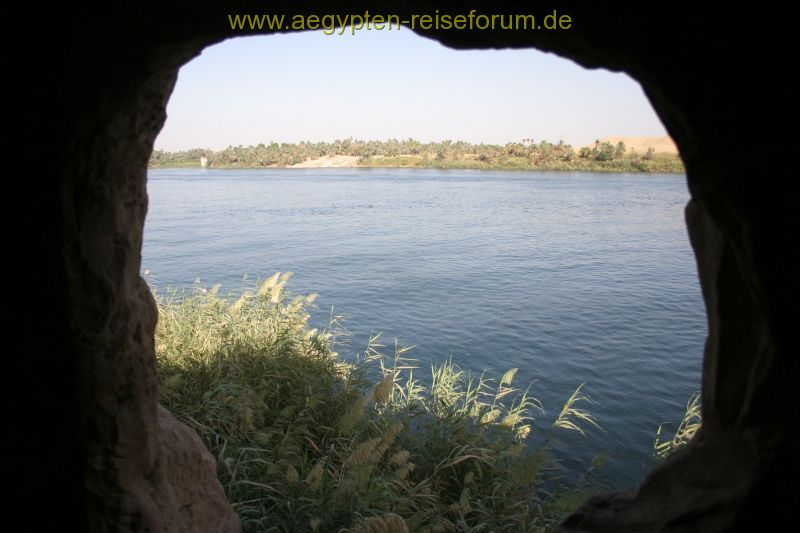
(605, 170)
(626, 154)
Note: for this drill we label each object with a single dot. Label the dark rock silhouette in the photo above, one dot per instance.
(96, 99)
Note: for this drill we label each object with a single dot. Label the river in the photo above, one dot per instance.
(572, 277)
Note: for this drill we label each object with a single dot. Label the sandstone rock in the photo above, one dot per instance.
(191, 474)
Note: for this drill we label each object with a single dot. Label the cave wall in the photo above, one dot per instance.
(88, 111)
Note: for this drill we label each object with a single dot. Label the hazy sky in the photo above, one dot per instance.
(384, 84)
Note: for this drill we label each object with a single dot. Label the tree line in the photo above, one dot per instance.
(445, 154)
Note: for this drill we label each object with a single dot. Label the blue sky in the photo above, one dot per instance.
(384, 84)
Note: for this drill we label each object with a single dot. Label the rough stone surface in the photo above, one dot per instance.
(89, 110)
(192, 476)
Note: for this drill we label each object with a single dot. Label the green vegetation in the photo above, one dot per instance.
(687, 428)
(306, 441)
(602, 156)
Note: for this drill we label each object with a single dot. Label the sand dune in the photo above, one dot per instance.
(641, 144)
(329, 161)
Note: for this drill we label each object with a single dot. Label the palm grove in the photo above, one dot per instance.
(601, 156)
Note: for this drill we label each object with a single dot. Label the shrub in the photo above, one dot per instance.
(306, 441)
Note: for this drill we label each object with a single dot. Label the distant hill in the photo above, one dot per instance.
(663, 144)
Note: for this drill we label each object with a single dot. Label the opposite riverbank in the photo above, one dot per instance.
(611, 155)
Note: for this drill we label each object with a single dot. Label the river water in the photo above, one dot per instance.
(572, 277)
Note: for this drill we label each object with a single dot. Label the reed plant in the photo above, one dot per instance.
(308, 439)
(689, 425)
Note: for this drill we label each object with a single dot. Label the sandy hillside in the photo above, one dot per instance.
(329, 161)
(641, 144)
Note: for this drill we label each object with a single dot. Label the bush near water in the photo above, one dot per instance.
(308, 441)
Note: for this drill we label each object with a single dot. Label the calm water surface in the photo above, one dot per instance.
(572, 277)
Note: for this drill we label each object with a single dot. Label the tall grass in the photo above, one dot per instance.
(687, 428)
(306, 441)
